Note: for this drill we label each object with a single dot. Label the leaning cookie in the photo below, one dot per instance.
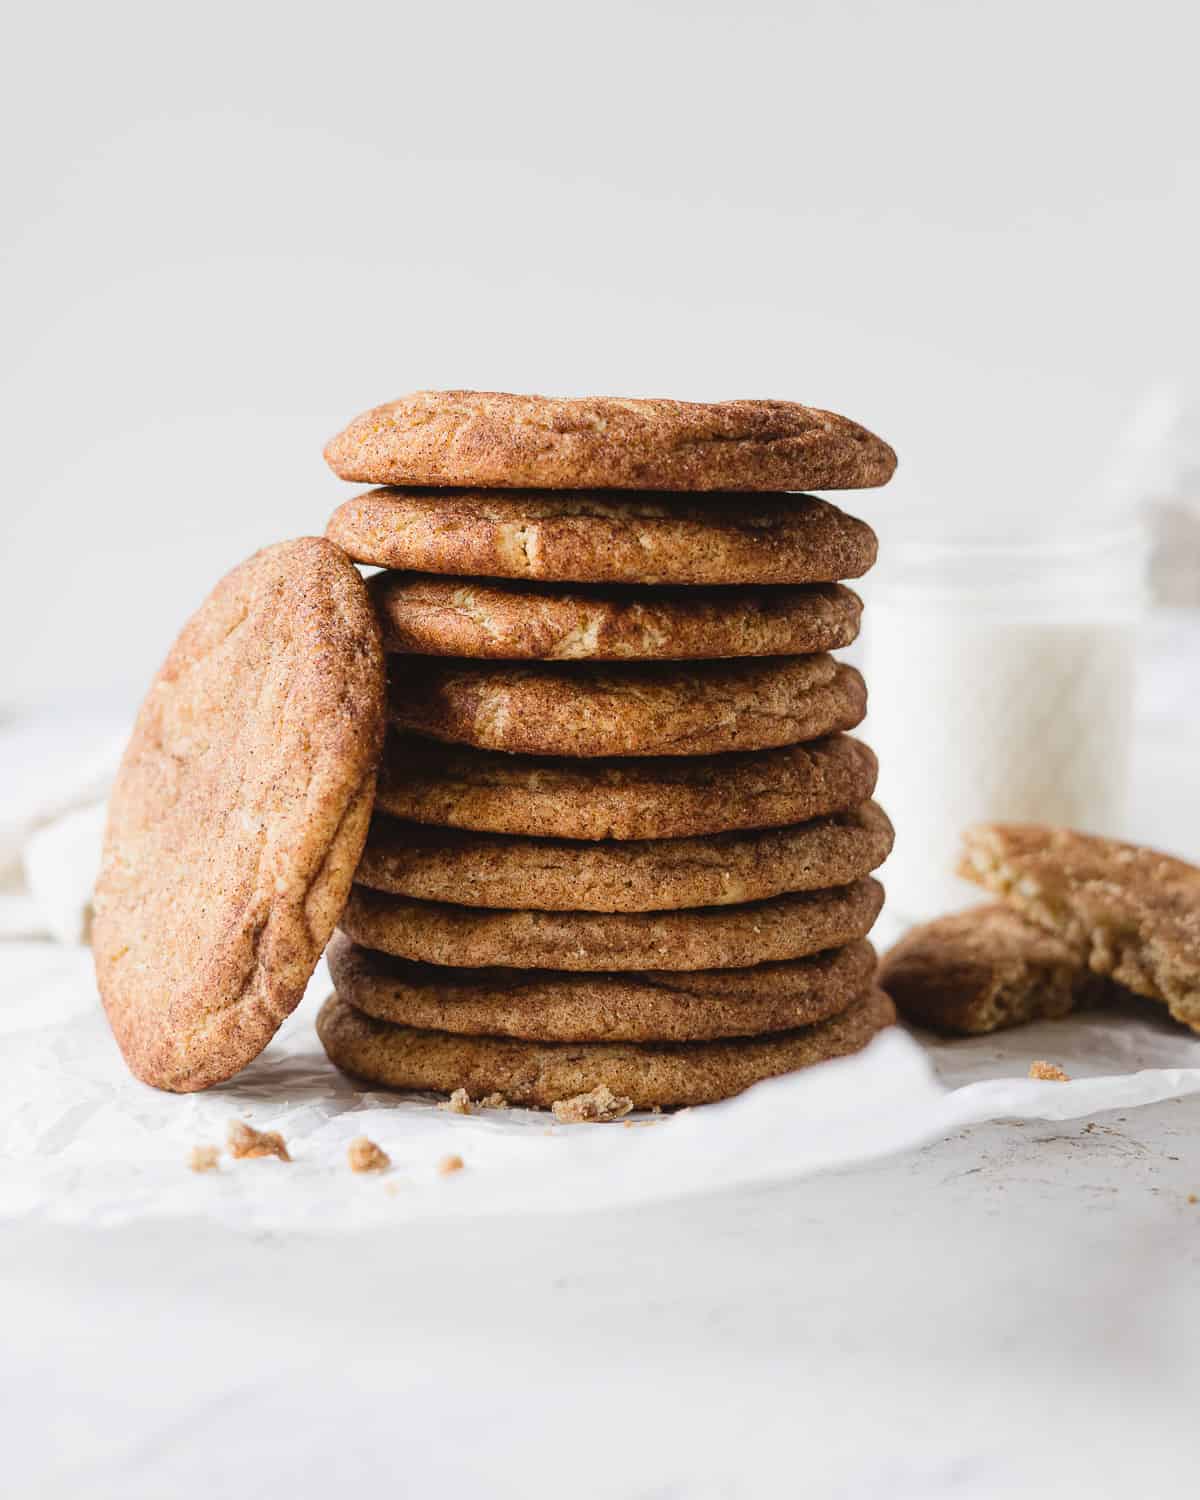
(238, 815)
(1127, 912)
(498, 440)
(667, 1074)
(984, 969)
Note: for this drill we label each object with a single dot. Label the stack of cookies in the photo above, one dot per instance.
(622, 843)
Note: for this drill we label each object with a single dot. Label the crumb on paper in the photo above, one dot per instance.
(244, 1140)
(1048, 1072)
(461, 1103)
(365, 1156)
(448, 1164)
(1192, 1198)
(597, 1106)
(204, 1158)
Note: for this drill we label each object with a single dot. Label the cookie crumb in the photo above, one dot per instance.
(598, 1106)
(1048, 1072)
(204, 1158)
(493, 1101)
(459, 1103)
(244, 1140)
(1192, 1198)
(448, 1164)
(365, 1156)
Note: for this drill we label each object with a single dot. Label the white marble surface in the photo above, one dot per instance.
(1011, 1311)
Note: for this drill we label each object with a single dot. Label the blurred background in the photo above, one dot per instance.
(227, 229)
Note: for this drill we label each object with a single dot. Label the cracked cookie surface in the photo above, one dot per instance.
(426, 614)
(604, 537)
(669, 1074)
(651, 1005)
(653, 798)
(632, 709)
(238, 815)
(708, 937)
(499, 440)
(499, 870)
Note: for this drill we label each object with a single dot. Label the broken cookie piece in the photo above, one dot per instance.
(597, 1106)
(365, 1156)
(1126, 912)
(982, 969)
(244, 1141)
(1048, 1072)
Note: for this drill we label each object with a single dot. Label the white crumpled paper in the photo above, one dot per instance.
(82, 1142)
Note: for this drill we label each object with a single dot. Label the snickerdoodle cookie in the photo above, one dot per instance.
(239, 814)
(635, 708)
(502, 870)
(497, 440)
(983, 969)
(710, 937)
(426, 614)
(1127, 912)
(669, 1074)
(650, 1005)
(654, 798)
(601, 537)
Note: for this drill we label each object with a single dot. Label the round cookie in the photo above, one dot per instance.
(539, 1074)
(498, 441)
(544, 1005)
(584, 709)
(711, 937)
(425, 614)
(654, 798)
(238, 815)
(590, 537)
(500, 870)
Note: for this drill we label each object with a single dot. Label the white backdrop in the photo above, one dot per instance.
(230, 227)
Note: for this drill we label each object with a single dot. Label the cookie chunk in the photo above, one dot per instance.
(1126, 912)
(982, 969)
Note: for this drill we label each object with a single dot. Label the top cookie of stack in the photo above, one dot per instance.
(645, 860)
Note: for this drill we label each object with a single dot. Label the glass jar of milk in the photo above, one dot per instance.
(1001, 680)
